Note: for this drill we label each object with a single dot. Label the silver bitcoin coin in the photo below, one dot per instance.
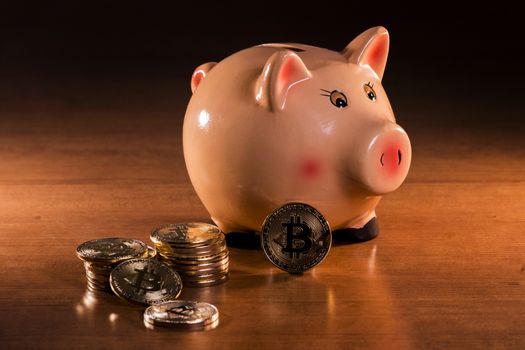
(182, 313)
(296, 237)
(111, 249)
(145, 281)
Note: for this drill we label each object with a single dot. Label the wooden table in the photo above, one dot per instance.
(447, 270)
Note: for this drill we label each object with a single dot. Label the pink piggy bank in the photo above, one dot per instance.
(280, 123)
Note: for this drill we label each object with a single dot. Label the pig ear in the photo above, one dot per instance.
(282, 70)
(200, 73)
(370, 49)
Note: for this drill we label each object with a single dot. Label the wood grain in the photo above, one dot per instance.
(447, 270)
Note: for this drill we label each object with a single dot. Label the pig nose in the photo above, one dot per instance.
(387, 158)
(391, 157)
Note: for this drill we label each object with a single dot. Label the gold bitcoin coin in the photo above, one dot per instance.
(145, 281)
(100, 257)
(186, 233)
(109, 250)
(197, 251)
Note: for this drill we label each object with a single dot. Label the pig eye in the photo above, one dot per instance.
(369, 91)
(337, 98)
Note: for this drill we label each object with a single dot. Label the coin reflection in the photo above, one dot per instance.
(90, 306)
(207, 327)
(372, 260)
(331, 302)
(113, 317)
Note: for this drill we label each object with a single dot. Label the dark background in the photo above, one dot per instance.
(442, 54)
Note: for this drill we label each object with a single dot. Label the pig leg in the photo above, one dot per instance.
(244, 240)
(369, 231)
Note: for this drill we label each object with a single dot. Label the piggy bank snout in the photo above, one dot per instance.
(385, 163)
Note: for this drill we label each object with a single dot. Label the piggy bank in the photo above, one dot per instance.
(280, 123)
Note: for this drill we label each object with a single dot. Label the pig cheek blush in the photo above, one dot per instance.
(310, 169)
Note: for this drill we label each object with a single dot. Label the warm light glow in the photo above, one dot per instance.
(89, 300)
(80, 309)
(372, 260)
(328, 127)
(113, 317)
(204, 118)
(330, 300)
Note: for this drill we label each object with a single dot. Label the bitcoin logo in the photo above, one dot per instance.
(180, 232)
(185, 311)
(193, 233)
(298, 237)
(295, 237)
(111, 249)
(146, 280)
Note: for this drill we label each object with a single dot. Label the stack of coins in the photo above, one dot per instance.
(101, 256)
(183, 314)
(197, 251)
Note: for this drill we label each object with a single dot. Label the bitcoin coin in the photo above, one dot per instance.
(100, 257)
(111, 249)
(194, 258)
(296, 237)
(186, 233)
(220, 264)
(210, 249)
(199, 270)
(145, 281)
(197, 251)
(182, 314)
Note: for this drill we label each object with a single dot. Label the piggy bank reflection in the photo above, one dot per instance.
(280, 123)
